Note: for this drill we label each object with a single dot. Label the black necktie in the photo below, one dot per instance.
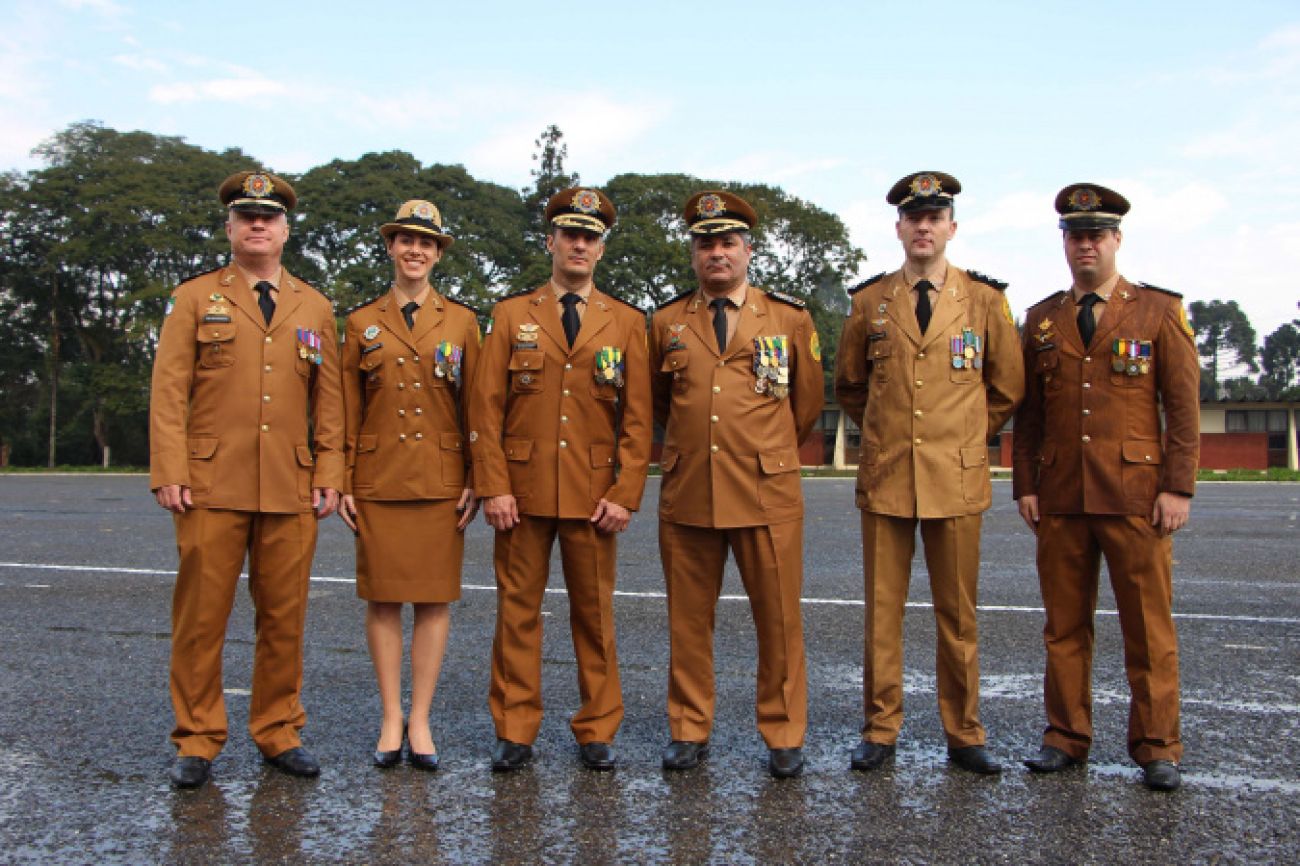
(570, 318)
(1087, 321)
(719, 307)
(923, 304)
(408, 313)
(264, 300)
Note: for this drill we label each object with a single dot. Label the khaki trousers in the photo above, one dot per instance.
(952, 556)
(770, 560)
(522, 557)
(212, 546)
(1140, 563)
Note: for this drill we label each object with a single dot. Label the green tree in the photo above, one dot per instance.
(1224, 334)
(549, 177)
(1281, 362)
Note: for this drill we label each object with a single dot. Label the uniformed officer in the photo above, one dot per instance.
(737, 385)
(408, 362)
(1097, 474)
(561, 428)
(246, 359)
(929, 368)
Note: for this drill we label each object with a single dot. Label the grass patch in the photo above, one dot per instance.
(1276, 473)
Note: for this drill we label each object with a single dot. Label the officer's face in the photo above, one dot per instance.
(257, 235)
(414, 255)
(720, 261)
(574, 252)
(1090, 253)
(925, 233)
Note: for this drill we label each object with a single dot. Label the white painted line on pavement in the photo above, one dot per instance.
(841, 602)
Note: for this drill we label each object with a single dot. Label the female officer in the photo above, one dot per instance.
(408, 360)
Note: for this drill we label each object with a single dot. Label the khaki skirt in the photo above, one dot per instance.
(409, 551)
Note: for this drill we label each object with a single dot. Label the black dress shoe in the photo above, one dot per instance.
(1051, 760)
(785, 763)
(508, 756)
(684, 755)
(597, 756)
(869, 756)
(427, 762)
(1161, 775)
(388, 760)
(975, 759)
(296, 762)
(188, 771)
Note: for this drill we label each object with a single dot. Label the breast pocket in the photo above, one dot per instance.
(675, 365)
(1047, 367)
(526, 371)
(216, 345)
(371, 366)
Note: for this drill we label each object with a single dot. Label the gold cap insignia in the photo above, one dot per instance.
(1085, 199)
(586, 201)
(258, 186)
(710, 205)
(926, 185)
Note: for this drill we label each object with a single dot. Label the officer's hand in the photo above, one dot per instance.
(348, 511)
(610, 517)
(501, 512)
(1029, 511)
(174, 498)
(468, 507)
(1170, 512)
(324, 501)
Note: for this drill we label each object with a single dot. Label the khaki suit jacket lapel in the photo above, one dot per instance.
(950, 307)
(594, 319)
(753, 315)
(1118, 307)
(897, 297)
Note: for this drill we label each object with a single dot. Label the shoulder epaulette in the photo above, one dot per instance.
(668, 303)
(987, 280)
(461, 303)
(787, 299)
(361, 305)
(625, 303)
(867, 282)
(1169, 292)
(518, 294)
(201, 274)
(1052, 297)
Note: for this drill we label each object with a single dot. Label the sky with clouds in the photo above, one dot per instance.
(1190, 109)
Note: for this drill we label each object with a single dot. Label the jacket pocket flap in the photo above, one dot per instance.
(371, 361)
(776, 462)
(304, 456)
(215, 333)
(602, 456)
(451, 441)
(667, 461)
(976, 455)
(1138, 451)
(1048, 360)
(518, 449)
(674, 361)
(202, 448)
(879, 349)
(367, 442)
(530, 359)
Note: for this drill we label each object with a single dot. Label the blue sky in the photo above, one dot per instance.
(1190, 109)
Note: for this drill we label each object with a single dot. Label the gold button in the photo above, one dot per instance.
(416, 359)
(1087, 384)
(267, 368)
(419, 436)
(216, 333)
(401, 413)
(401, 437)
(920, 356)
(722, 363)
(419, 411)
(917, 413)
(566, 392)
(919, 383)
(525, 363)
(266, 427)
(780, 463)
(401, 386)
(713, 448)
(1086, 438)
(401, 361)
(268, 338)
(564, 444)
(1147, 458)
(713, 418)
(416, 386)
(564, 419)
(917, 440)
(1087, 359)
(1087, 411)
(266, 398)
(717, 389)
(568, 366)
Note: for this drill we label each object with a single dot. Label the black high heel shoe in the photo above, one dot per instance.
(388, 760)
(422, 762)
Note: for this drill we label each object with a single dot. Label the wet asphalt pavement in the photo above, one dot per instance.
(86, 571)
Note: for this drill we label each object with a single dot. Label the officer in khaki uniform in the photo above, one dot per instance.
(737, 383)
(560, 435)
(247, 357)
(929, 368)
(1097, 474)
(408, 368)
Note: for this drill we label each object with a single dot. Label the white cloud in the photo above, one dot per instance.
(107, 8)
(140, 63)
(240, 90)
